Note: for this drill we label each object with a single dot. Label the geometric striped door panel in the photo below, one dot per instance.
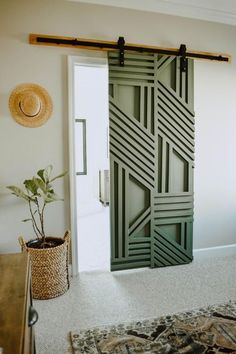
(151, 161)
(173, 206)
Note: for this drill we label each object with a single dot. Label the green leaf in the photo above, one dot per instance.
(52, 197)
(40, 185)
(40, 173)
(59, 176)
(47, 173)
(25, 220)
(19, 193)
(31, 186)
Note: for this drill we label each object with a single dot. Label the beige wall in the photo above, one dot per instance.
(24, 150)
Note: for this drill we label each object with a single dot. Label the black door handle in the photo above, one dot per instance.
(33, 316)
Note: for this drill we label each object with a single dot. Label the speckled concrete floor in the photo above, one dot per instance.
(97, 298)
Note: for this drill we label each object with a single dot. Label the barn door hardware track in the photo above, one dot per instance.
(121, 46)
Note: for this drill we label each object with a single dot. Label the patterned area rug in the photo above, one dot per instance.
(204, 331)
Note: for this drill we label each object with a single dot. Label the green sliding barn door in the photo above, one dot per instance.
(151, 161)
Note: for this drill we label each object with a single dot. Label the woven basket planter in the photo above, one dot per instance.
(49, 268)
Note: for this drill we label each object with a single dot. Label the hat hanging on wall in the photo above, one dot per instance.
(30, 105)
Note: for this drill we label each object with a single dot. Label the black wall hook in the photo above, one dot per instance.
(183, 59)
(121, 46)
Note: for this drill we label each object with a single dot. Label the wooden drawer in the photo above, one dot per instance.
(16, 337)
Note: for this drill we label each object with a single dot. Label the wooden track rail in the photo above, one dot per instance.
(91, 44)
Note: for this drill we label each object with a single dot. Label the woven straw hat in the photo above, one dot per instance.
(30, 105)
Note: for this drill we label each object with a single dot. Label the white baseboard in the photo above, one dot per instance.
(219, 251)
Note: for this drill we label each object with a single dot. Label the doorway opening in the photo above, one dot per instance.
(151, 219)
(91, 153)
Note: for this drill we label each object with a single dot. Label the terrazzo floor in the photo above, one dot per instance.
(98, 298)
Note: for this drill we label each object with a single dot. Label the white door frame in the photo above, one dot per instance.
(96, 59)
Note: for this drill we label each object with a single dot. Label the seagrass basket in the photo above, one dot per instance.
(49, 268)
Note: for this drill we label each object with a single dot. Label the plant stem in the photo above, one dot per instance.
(42, 219)
(40, 213)
(35, 231)
(34, 222)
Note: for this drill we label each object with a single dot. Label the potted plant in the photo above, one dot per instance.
(48, 255)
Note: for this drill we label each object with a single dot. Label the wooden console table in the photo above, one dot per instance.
(17, 315)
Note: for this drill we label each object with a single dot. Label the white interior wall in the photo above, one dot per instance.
(91, 104)
(93, 221)
(215, 195)
(24, 150)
